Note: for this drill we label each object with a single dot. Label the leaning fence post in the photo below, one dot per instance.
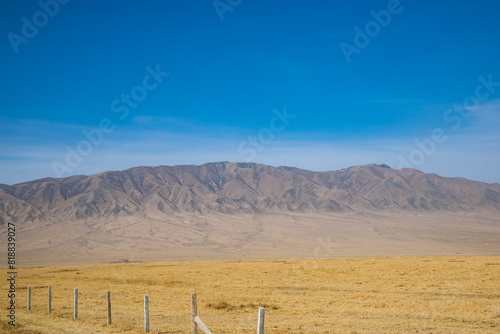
(75, 313)
(146, 313)
(50, 299)
(29, 298)
(194, 313)
(202, 325)
(108, 302)
(260, 324)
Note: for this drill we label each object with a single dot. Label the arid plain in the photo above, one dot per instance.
(276, 235)
(343, 295)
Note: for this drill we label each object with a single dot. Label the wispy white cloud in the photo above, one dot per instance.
(486, 115)
(395, 101)
(471, 151)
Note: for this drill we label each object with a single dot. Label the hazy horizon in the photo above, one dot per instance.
(346, 167)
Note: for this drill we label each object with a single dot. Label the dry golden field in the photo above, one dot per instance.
(342, 295)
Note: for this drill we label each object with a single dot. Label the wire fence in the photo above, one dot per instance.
(128, 310)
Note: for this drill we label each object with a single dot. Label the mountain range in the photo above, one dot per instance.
(234, 188)
(215, 192)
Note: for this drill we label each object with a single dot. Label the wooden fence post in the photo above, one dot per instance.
(146, 313)
(194, 313)
(75, 312)
(260, 324)
(29, 298)
(50, 299)
(108, 302)
(202, 325)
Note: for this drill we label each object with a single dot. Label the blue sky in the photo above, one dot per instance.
(233, 69)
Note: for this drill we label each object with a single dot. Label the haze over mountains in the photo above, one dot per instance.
(221, 208)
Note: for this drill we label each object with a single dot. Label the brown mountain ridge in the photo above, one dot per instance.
(234, 188)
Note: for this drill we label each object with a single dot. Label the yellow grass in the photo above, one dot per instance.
(345, 295)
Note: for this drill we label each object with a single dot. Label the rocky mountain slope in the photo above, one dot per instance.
(233, 188)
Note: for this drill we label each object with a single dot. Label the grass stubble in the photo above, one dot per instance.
(340, 295)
